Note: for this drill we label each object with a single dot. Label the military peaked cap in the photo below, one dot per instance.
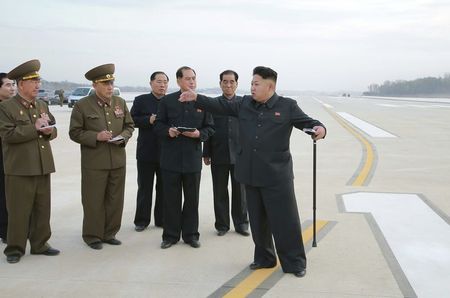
(101, 73)
(26, 71)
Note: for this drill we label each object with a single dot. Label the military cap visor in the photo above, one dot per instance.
(26, 71)
(101, 73)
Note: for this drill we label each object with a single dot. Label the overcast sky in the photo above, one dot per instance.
(323, 45)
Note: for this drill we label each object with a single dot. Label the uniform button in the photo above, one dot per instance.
(254, 150)
(107, 114)
(34, 116)
(109, 122)
(42, 146)
(40, 136)
(261, 114)
(259, 125)
(256, 137)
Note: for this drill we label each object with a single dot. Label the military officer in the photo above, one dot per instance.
(181, 160)
(264, 165)
(7, 90)
(220, 152)
(26, 129)
(102, 125)
(60, 94)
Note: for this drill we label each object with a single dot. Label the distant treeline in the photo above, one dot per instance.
(429, 86)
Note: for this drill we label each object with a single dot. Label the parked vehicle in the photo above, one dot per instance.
(81, 92)
(78, 94)
(43, 95)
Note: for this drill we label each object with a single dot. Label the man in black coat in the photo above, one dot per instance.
(143, 112)
(7, 90)
(264, 165)
(220, 152)
(182, 127)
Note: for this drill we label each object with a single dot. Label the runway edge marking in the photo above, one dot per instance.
(255, 283)
(367, 166)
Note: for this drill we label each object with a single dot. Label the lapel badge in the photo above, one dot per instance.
(277, 114)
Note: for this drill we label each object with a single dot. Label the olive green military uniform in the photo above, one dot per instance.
(61, 97)
(102, 164)
(28, 162)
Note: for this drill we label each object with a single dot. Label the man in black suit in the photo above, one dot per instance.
(264, 165)
(7, 90)
(143, 112)
(220, 152)
(182, 128)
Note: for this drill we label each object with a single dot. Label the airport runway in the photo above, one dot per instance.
(383, 193)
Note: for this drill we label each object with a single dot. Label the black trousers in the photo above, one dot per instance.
(146, 173)
(273, 212)
(3, 211)
(220, 174)
(180, 217)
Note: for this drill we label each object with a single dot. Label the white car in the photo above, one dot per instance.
(81, 92)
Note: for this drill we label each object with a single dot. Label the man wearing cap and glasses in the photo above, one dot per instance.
(26, 129)
(102, 125)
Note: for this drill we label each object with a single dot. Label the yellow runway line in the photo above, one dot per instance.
(369, 158)
(257, 277)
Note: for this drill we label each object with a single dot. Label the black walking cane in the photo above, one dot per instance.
(311, 132)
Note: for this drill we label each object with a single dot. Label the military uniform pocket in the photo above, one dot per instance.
(23, 121)
(93, 116)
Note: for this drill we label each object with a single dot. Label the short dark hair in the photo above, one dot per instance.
(265, 73)
(229, 72)
(179, 73)
(153, 76)
(2, 76)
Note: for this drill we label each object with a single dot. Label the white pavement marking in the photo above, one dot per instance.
(368, 128)
(388, 105)
(419, 106)
(323, 103)
(417, 236)
(440, 106)
(424, 106)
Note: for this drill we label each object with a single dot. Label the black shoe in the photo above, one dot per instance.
(139, 228)
(243, 232)
(194, 243)
(300, 273)
(256, 266)
(221, 232)
(96, 245)
(113, 241)
(166, 244)
(13, 259)
(49, 252)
